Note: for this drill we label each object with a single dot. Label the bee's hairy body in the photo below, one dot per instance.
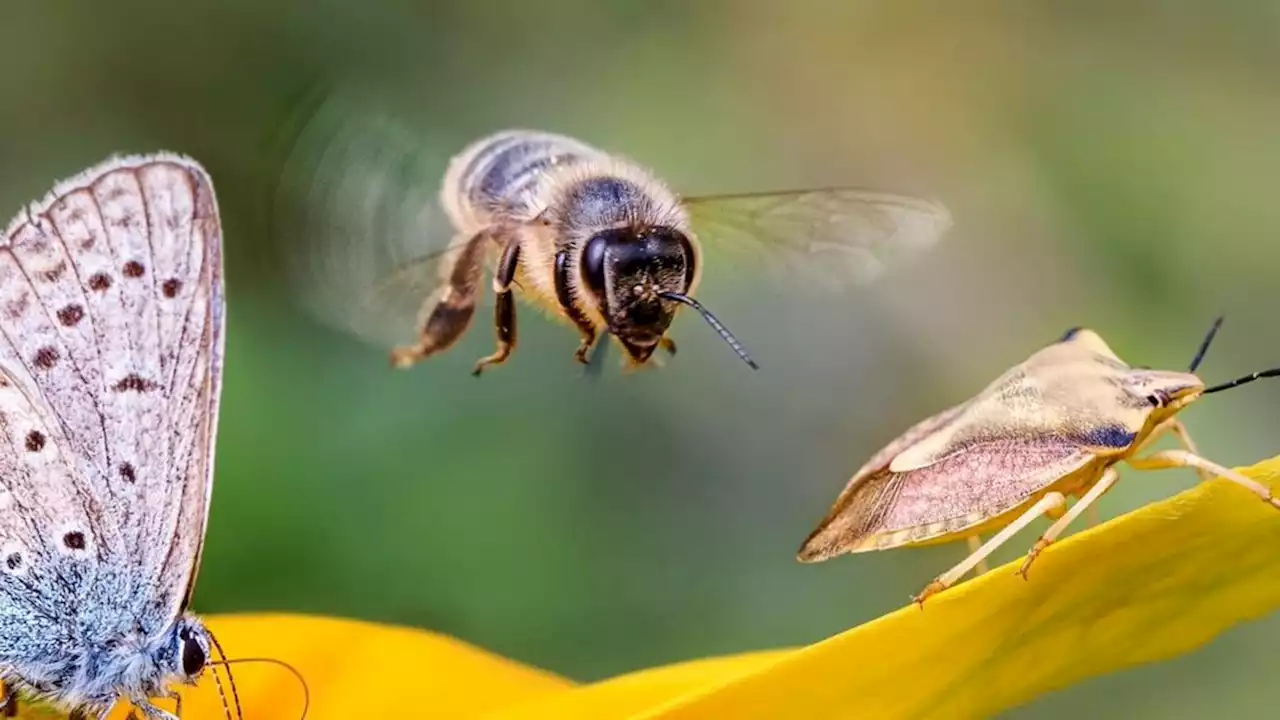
(529, 205)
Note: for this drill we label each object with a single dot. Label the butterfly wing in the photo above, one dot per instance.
(111, 342)
(834, 237)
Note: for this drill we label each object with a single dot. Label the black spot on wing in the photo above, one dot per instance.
(71, 315)
(134, 383)
(1070, 333)
(74, 540)
(34, 441)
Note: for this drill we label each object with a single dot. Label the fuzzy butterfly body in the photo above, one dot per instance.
(1051, 427)
(111, 342)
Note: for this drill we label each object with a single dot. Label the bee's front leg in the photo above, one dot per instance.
(448, 313)
(586, 328)
(504, 307)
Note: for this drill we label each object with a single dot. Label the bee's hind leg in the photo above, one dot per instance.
(668, 344)
(504, 307)
(447, 315)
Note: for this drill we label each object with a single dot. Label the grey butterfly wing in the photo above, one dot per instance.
(363, 239)
(111, 340)
(834, 237)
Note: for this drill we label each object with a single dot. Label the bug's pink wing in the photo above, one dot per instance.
(864, 494)
(983, 480)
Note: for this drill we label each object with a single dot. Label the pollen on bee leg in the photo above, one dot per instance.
(1182, 458)
(1049, 503)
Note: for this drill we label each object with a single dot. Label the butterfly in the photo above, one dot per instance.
(111, 346)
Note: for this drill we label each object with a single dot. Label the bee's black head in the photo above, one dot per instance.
(640, 277)
(628, 270)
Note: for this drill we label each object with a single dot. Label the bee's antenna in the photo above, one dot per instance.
(714, 323)
(1274, 372)
(1204, 344)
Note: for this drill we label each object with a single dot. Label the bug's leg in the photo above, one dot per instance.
(668, 344)
(586, 328)
(1182, 458)
(448, 313)
(1086, 501)
(1180, 431)
(1051, 503)
(504, 317)
(975, 544)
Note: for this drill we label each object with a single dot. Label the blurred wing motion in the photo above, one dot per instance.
(358, 216)
(835, 236)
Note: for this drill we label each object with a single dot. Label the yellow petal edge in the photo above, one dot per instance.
(1146, 586)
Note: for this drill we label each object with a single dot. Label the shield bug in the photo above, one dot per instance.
(1055, 426)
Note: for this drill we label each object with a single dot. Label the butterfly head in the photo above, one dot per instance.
(188, 651)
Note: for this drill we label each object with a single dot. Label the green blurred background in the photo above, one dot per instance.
(1107, 165)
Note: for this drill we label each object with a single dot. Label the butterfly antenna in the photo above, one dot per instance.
(1274, 372)
(231, 680)
(1204, 344)
(306, 689)
(715, 324)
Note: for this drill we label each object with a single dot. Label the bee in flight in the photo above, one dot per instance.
(601, 242)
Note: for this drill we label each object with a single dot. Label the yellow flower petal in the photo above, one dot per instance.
(359, 670)
(1146, 586)
(635, 692)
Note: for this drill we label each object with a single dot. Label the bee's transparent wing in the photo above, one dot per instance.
(834, 236)
(358, 218)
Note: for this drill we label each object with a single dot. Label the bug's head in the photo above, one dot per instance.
(639, 277)
(1169, 392)
(190, 650)
(1165, 391)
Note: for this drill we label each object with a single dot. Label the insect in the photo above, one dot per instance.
(596, 241)
(1057, 425)
(111, 344)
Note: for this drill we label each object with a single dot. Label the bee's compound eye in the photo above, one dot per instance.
(592, 263)
(193, 656)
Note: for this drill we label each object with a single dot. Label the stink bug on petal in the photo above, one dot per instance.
(1053, 427)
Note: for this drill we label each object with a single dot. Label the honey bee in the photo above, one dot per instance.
(601, 242)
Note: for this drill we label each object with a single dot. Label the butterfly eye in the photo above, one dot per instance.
(193, 656)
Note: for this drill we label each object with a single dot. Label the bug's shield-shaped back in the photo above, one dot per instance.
(1040, 422)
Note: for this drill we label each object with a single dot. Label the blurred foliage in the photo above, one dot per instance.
(1111, 166)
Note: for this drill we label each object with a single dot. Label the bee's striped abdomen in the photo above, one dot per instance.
(499, 175)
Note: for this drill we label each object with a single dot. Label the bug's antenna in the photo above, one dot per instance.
(235, 696)
(1204, 344)
(306, 689)
(1274, 372)
(714, 323)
